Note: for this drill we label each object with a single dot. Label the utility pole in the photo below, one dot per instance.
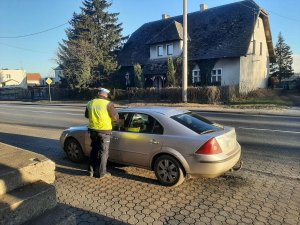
(185, 62)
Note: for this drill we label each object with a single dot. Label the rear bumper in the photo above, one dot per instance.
(215, 168)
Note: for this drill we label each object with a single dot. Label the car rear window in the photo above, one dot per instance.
(196, 123)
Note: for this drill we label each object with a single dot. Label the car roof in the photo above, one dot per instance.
(167, 111)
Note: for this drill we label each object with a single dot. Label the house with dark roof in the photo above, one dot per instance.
(233, 42)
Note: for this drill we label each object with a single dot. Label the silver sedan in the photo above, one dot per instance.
(174, 143)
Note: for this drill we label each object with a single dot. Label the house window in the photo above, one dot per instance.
(253, 51)
(127, 79)
(170, 49)
(260, 48)
(216, 76)
(160, 50)
(196, 76)
(8, 76)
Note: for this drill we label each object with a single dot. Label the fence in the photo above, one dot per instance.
(205, 94)
(36, 93)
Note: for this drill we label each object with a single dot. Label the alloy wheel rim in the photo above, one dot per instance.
(73, 150)
(167, 171)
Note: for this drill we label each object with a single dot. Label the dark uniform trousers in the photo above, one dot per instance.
(99, 153)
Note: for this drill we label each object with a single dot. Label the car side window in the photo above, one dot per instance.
(157, 128)
(124, 119)
(143, 123)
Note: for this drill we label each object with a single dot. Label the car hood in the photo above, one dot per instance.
(78, 128)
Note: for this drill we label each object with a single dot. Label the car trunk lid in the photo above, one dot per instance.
(227, 140)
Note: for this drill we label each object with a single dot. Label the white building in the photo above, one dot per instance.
(13, 78)
(58, 71)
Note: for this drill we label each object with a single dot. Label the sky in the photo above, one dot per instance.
(37, 53)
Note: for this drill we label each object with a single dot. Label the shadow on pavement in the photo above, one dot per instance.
(52, 150)
(115, 171)
(89, 217)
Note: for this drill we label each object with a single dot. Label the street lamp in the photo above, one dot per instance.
(185, 62)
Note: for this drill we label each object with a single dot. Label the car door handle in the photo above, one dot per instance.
(115, 138)
(153, 141)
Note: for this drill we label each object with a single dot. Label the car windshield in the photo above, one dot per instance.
(196, 123)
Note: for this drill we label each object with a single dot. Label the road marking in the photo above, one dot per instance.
(47, 112)
(75, 114)
(24, 107)
(262, 129)
(38, 111)
(252, 114)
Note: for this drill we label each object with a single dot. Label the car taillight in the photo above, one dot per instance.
(210, 147)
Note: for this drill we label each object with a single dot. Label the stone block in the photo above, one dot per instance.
(19, 167)
(26, 202)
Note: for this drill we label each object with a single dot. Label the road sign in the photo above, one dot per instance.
(49, 81)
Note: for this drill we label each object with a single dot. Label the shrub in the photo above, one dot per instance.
(205, 94)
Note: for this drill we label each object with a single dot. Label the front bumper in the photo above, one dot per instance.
(62, 138)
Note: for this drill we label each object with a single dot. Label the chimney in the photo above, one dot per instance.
(165, 16)
(203, 7)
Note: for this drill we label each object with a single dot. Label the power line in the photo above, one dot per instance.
(24, 49)
(285, 17)
(32, 34)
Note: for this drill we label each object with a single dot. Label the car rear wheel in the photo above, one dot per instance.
(73, 150)
(168, 171)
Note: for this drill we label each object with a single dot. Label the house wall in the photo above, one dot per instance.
(177, 50)
(230, 71)
(230, 68)
(33, 82)
(255, 66)
(58, 75)
(1, 78)
(13, 78)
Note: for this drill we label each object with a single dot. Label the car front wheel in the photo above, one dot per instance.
(73, 150)
(168, 171)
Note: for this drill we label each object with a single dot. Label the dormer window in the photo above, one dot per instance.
(160, 50)
(165, 50)
(170, 49)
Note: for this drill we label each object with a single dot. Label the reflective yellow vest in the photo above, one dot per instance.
(99, 118)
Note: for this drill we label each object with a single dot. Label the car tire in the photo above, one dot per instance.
(168, 171)
(73, 150)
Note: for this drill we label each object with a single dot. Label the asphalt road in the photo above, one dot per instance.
(271, 155)
(257, 133)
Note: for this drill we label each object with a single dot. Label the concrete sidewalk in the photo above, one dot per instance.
(274, 110)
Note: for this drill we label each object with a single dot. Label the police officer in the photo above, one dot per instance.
(101, 113)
